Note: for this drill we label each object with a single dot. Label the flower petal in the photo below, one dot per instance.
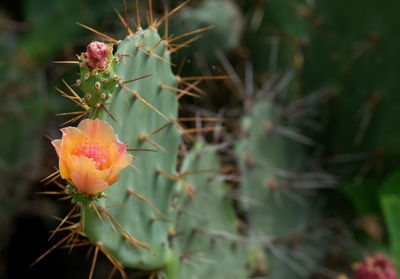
(84, 175)
(97, 130)
(57, 145)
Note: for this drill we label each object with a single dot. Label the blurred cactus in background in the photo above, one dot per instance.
(262, 136)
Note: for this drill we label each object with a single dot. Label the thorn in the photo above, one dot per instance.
(186, 186)
(197, 172)
(193, 86)
(96, 251)
(189, 119)
(135, 149)
(201, 130)
(181, 91)
(109, 114)
(144, 101)
(126, 16)
(189, 33)
(48, 137)
(126, 234)
(66, 62)
(188, 42)
(157, 130)
(97, 212)
(132, 80)
(146, 201)
(113, 260)
(143, 138)
(181, 67)
(108, 38)
(205, 78)
(76, 118)
(112, 273)
(56, 173)
(51, 193)
(137, 14)
(124, 21)
(151, 12)
(156, 45)
(63, 221)
(170, 13)
(156, 56)
(52, 248)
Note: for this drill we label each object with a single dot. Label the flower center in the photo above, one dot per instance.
(94, 151)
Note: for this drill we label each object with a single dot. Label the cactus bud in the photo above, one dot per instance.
(379, 266)
(98, 55)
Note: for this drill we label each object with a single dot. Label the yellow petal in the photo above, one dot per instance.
(84, 175)
(57, 145)
(98, 131)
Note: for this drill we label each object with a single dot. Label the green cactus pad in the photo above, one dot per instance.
(135, 119)
(282, 219)
(208, 246)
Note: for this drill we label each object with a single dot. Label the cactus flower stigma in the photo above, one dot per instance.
(91, 156)
(97, 56)
(378, 266)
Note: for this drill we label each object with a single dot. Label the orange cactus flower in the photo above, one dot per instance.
(91, 156)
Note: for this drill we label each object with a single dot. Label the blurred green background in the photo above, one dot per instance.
(347, 48)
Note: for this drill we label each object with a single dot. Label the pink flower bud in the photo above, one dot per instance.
(379, 266)
(97, 55)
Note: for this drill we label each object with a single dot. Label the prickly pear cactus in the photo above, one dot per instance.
(134, 121)
(283, 214)
(210, 245)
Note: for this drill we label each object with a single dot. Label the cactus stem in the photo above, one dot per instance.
(146, 201)
(132, 80)
(186, 186)
(108, 38)
(136, 95)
